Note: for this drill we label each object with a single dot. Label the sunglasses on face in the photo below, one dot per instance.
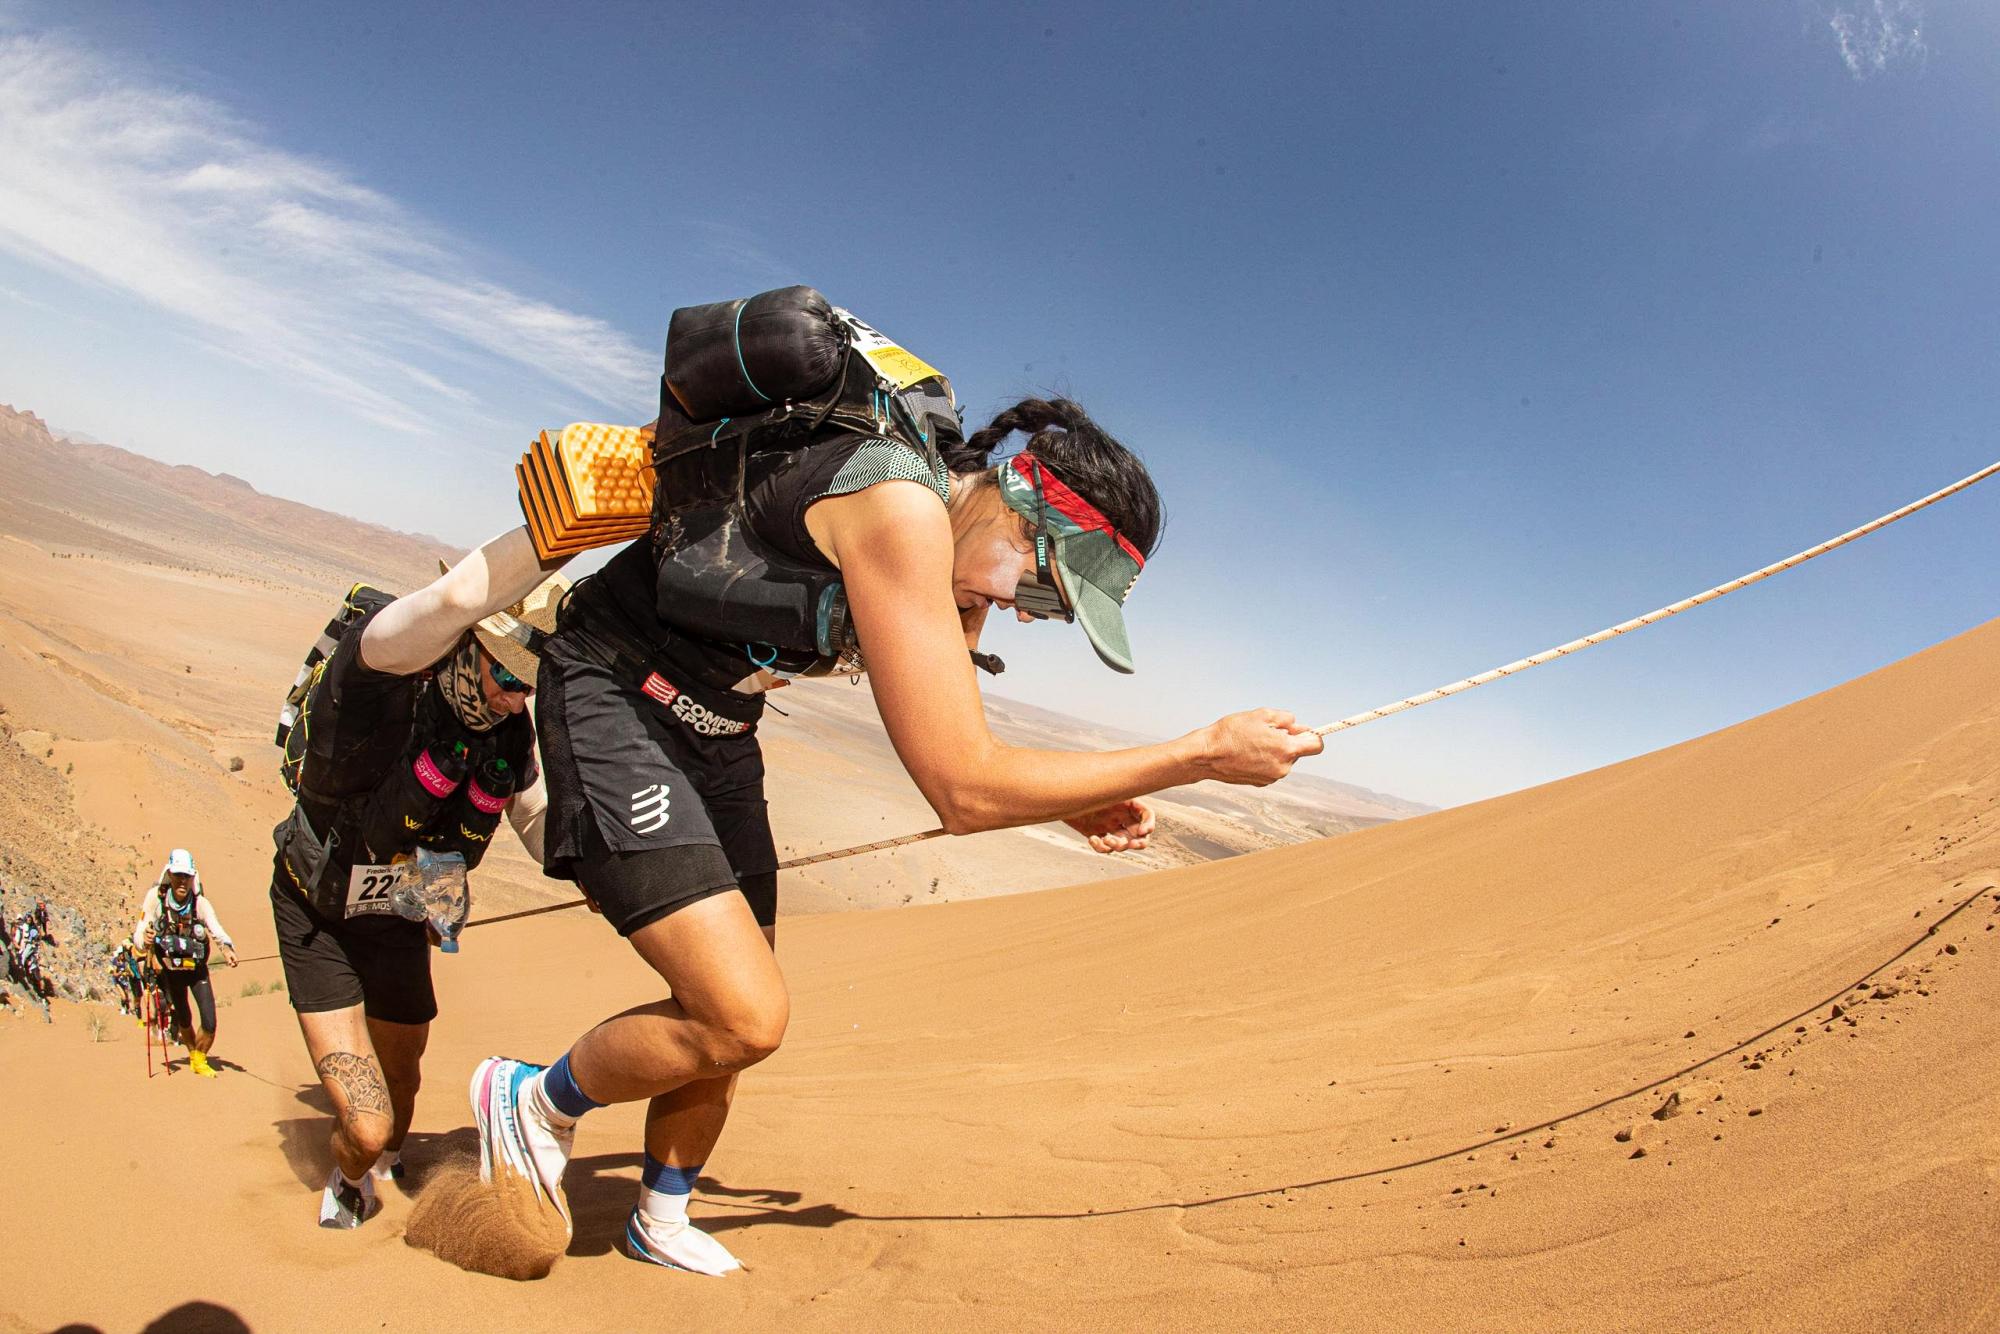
(509, 682)
(1040, 594)
(1040, 597)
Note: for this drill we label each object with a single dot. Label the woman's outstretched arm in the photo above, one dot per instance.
(893, 543)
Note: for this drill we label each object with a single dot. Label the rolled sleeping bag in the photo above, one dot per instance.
(733, 358)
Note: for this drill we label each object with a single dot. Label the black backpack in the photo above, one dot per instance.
(295, 718)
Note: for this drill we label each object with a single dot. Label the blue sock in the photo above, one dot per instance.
(563, 1094)
(665, 1196)
(670, 1180)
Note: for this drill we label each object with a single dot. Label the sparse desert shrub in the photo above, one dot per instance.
(252, 989)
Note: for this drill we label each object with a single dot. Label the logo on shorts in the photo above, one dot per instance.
(649, 808)
(659, 688)
(703, 720)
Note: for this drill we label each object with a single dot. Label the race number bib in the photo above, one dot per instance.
(369, 889)
(891, 361)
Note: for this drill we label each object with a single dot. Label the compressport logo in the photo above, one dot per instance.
(705, 721)
(649, 808)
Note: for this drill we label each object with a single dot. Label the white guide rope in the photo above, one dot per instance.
(1547, 655)
(835, 856)
(1576, 645)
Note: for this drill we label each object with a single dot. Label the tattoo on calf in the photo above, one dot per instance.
(359, 1080)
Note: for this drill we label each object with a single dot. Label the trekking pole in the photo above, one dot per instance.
(156, 1029)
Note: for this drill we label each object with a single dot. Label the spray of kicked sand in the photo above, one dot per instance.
(500, 1229)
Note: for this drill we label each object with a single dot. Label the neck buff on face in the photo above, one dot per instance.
(458, 680)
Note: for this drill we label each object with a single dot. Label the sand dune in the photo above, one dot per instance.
(1400, 1079)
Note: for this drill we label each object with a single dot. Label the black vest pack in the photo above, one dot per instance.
(422, 780)
(179, 939)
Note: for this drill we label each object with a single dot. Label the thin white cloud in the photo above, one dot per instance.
(1878, 35)
(276, 260)
(723, 248)
(33, 303)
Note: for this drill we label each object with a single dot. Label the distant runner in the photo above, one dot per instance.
(416, 737)
(127, 977)
(650, 700)
(24, 946)
(177, 930)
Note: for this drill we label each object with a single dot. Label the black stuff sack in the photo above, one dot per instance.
(733, 358)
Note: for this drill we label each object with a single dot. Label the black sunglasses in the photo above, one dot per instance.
(507, 681)
(1039, 594)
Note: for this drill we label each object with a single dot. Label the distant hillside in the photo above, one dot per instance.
(66, 494)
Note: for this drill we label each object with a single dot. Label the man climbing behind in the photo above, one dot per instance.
(414, 737)
(178, 929)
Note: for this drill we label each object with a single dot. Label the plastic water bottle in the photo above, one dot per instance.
(433, 889)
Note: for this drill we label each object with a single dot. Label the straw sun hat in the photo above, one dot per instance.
(514, 636)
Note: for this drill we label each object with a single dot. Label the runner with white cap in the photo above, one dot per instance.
(179, 929)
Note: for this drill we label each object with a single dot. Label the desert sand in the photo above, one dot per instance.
(1404, 1078)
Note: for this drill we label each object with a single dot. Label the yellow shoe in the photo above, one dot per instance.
(198, 1062)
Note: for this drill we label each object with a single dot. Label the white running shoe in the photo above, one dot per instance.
(345, 1206)
(677, 1245)
(388, 1167)
(511, 1133)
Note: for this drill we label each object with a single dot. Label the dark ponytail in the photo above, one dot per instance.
(1080, 452)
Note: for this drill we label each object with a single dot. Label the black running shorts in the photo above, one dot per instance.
(656, 790)
(384, 967)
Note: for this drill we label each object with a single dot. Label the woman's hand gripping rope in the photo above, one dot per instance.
(1255, 748)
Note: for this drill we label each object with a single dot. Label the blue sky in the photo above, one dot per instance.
(1451, 332)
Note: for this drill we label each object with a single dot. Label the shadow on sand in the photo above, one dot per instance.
(187, 1318)
(303, 1142)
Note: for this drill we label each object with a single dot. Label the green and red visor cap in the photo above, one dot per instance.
(1084, 567)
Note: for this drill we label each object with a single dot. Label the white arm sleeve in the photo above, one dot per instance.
(415, 631)
(149, 908)
(528, 813)
(208, 920)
